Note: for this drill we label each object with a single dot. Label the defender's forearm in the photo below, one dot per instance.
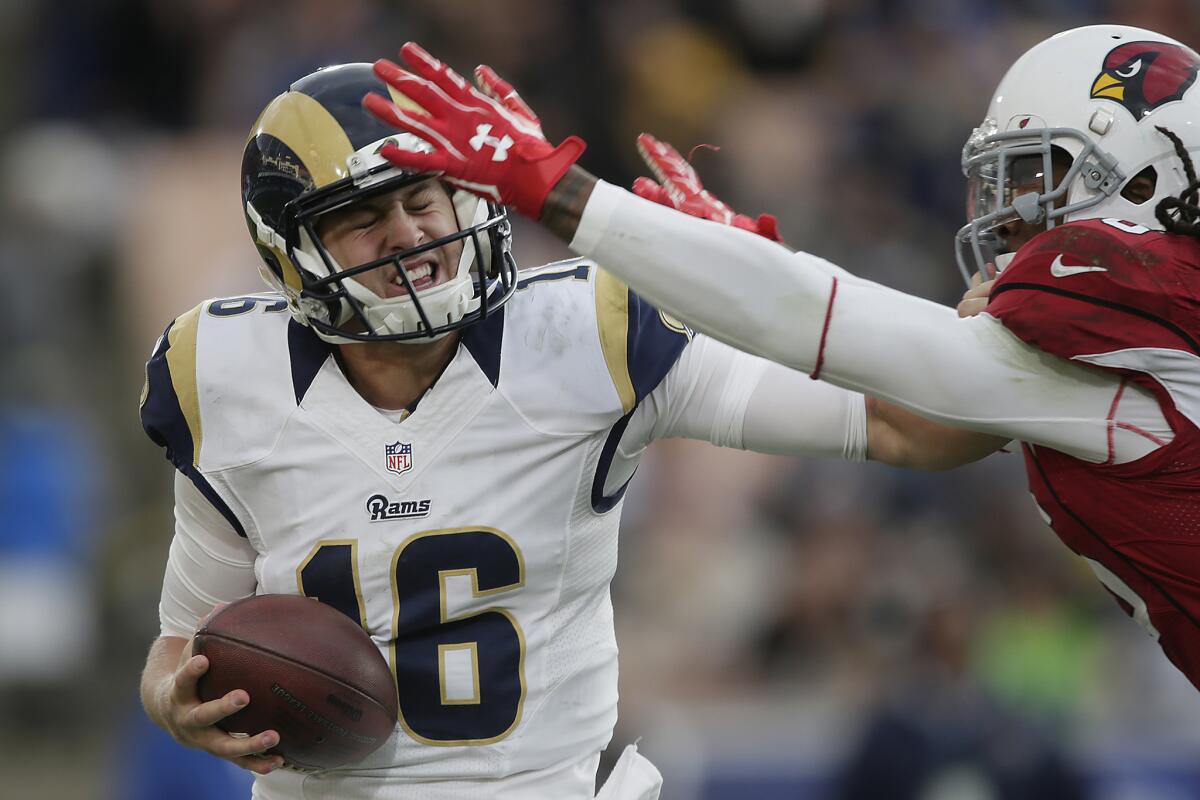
(566, 201)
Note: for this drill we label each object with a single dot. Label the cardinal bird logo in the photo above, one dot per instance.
(1145, 75)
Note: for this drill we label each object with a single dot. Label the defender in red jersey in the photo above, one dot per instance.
(1081, 190)
(1125, 299)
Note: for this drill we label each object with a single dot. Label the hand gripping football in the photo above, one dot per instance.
(312, 674)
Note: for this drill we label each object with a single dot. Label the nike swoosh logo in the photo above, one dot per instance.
(1061, 270)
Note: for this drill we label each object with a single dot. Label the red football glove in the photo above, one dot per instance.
(486, 140)
(681, 189)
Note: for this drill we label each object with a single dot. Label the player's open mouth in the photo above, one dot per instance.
(422, 275)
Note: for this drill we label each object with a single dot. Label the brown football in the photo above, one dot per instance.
(313, 676)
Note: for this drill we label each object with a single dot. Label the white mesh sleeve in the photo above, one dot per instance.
(759, 297)
(704, 396)
(718, 394)
(791, 414)
(209, 563)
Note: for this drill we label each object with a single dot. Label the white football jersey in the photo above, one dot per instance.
(474, 540)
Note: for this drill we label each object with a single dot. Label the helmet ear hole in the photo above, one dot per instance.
(1061, 158)
(1140, 188)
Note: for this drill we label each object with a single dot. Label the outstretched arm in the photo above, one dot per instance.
(799, 310)
(795, 309)
(892, 435)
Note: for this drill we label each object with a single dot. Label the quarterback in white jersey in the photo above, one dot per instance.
(437, 446)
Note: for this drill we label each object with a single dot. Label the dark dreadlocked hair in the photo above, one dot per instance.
(1181, 214)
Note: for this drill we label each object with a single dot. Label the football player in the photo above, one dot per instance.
(438, 445)
(1082, 190)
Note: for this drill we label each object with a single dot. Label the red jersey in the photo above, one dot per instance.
(1125, 299)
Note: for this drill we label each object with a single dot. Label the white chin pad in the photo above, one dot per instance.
(472, 210)
(445, 303)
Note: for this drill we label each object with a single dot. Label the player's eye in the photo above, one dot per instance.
(363, 222)
(419, 202)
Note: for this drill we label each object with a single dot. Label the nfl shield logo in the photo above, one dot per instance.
(398, 457)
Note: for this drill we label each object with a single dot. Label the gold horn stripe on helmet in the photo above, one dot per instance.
(311, 132)
(291, 275)
(404, 101)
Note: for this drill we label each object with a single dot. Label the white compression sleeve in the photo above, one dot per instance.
(209, 563)
(790, 414)
(720, 395)
(757, 296)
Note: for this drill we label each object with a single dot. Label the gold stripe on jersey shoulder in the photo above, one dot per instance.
(612, 321)
(181, 363)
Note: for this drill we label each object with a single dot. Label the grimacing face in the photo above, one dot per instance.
(390, 223)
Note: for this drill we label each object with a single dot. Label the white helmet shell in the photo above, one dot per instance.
(1099, 93)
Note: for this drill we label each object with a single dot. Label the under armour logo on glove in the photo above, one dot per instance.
(482, 137)
(460, 120)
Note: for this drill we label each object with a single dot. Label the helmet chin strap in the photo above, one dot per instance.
(470, 210)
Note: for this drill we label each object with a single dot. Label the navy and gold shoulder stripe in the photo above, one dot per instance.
(170, 407)
(640, 343)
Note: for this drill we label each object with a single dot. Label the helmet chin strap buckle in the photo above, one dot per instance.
(1029, 207)
(314, 309)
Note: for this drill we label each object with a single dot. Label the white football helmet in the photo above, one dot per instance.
(1098, 94)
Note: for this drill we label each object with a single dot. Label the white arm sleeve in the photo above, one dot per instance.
(791, 414)
(209, 563)
(717, 394)
(969, 373)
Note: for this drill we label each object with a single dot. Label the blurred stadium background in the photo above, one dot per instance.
(788, 628)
